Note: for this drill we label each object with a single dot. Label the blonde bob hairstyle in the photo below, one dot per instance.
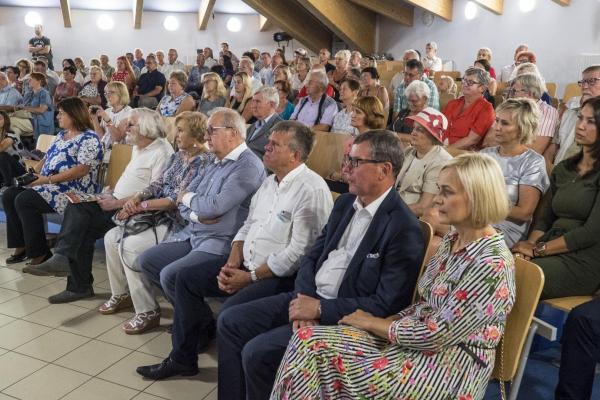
(195, 124)
(483, 182)
(247, 84)
(213, 76)
(525, 114)
(373, 109)
(120, 90)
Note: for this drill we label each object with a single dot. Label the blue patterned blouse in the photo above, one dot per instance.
(83, 149)
(168, 105)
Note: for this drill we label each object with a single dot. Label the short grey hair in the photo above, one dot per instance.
(321, 75)
(385, 146)
(413, 52)
(151, 124)
(231, 119)
(345, 54)
(249, 60)
(270, 93)
(418, 88)
(483, 77)
(433, 45)
(303, 138)
(531, 83)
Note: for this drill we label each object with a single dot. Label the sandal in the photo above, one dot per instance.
(116, 303)
(142, 322)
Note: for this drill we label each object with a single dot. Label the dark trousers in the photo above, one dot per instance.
(193, 315)
(10, 168)
(580, 352)
(83, 224)
(252, 339)
(24, 210)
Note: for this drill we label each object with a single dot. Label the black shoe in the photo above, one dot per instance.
(16, 258)
(166, 369)
(206, 337)
(67, 296)
(53, 265)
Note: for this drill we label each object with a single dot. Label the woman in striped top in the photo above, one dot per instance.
(444, 345)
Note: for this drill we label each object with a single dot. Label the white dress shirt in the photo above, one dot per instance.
(330, 275)
(284, 220)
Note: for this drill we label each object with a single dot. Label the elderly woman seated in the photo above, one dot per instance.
(336, 76)
(214, 93)
(68, 87)
(369, 86)
(285, 108)
(417, 181)
(565, 240)
(417, 93)
(177, 101)
(128, 285)
(524, 170)
(531, 68)
(448, 337)
(342, 121)
(92, 93)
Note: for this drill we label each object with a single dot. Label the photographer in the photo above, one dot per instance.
(70, 165)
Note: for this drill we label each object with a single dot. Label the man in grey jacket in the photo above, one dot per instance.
(264, 106)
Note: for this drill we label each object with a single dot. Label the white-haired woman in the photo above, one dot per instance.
(417, 93)
(530, 68)
(431, 61)
(342, 58)
(450, 335)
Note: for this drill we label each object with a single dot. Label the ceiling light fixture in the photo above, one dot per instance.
(33, 18)
(105, 22)
(526, 5)
(234, 24)
(470, 10)
(171, 23)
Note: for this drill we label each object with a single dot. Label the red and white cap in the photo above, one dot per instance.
(433, 121)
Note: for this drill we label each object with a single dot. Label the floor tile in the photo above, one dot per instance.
(160, 346)
(22, 306)
(52, 345)
(146, 396)
(186, 388)
(212, 395)
(49, 383)
(52, 288)
(123, 372)
(20, 332)
(5, 319)
(56, 315)
(14, 367)
(7, 274)
(91, 323)
(92, 303)
(117, 336)
(93, 357)
(27, 283)
(6, 397)
(6, 294)
(98, 389)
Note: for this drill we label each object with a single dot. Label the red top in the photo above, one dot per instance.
(479, 118)
(303, 93)
(492, 72)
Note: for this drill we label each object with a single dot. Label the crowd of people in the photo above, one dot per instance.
(317, 295)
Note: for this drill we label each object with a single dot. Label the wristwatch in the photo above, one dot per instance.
(540, 249)
(144, 204)
(253, 276)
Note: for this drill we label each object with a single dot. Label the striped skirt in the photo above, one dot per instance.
(341, 362)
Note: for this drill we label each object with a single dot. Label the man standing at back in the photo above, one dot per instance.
(39, 45)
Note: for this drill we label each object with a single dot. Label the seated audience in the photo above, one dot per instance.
(429, 348)
(342, 121)
(9, 96)
(38, 102)
(209, 58)
(240, 101)
(336, 76)
(369, 86)
(226, 70)
(417, 95)
(265, 253)
(173, 64)
(413, 71)
(367, 114)
(52, 80)
(303, 91)
(25, 68)
(11, 149)
(68, 87)
(417, 182)
(282, 73)
(111, 124)
(492, 86)
(107, 69)
(139, 60)
(368, 61)
(324, 56)
(565, 240)
(135, 68)
(355, 58)
(317, 109)
(86, 222)
(70, 165)
(194, 83)
(367, 257)
(213, 93)
(67, 62)
(80, 66)
(265, 73)
(247, 66)
(285, 107)
(398, 77)
(215, 211)
(470, 116)
(505, 74)
(127, 283)
(160, 62)
(177, 100)
(524, 169)
(124, 73)
(529, 68)
(431, 62)
(12, 73)
(150, 86)
(264, 109)
(447, 85)
(485, 53)
(92, 93)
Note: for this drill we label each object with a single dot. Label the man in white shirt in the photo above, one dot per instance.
(173, 65)
(431, 61)
(286, 215)
(266, 73)
(507, 70)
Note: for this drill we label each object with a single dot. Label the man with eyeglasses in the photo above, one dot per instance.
(150, 87)
(564, 142)
(413, 70)
(367, 257)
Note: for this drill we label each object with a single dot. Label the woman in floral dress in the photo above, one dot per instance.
(442, 347)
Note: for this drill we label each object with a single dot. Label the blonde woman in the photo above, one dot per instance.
(214, 93)
(486, 54)
(242, 94)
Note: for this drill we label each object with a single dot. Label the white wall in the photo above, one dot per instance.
(86, 40)
(558, 35)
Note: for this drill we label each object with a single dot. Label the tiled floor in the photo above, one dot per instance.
(70, 351)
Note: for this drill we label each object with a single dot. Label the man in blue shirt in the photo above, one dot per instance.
(9, 96)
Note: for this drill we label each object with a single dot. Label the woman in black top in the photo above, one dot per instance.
(11, 148)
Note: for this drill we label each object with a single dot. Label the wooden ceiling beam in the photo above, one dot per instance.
(441, 8)
(352, 23)
(65, 7)
(495, 6)
(264, 23)
(295, 20)
(204, 13)
(563, 3)
(138, 9)
(393, 9)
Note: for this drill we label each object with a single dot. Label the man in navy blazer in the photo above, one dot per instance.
(367, 257)
(264, 109)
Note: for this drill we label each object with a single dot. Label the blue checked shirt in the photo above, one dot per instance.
(401, 102)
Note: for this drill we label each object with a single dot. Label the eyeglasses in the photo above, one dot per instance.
(468, 82)
(211, 130)
(589, 82)
(513, 92)
(109, 92)
(354, 162)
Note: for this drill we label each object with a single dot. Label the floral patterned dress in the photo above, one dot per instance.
(442, 347)
(83, 149)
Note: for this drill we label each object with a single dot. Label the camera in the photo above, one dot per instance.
(94, 110)
(25, 179)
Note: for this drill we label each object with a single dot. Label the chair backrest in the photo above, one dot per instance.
(120, 155)
(171, 129)
(551, 88)
(571, 90)
(427, 232)
(44, 141)
(328, 153)
(445, 99)
(529, 281)
(452, 74)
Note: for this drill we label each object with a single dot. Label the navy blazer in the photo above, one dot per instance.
(257, 142)
(383, 272)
